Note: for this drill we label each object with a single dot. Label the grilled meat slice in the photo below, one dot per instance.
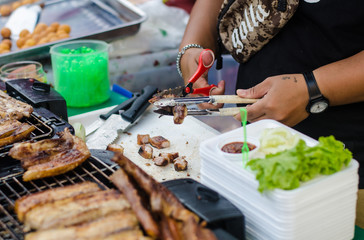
(179, 113)
(146, 151)
(163, 203)
(22, 132)
(143, 139)
(10, 108)
(98, 229)
(125, 235)
(159, 142)
(7, 127)
(28, 202)
(31, 154)
(161, 199)
(50, 157)
(75, 210)
(122, 182)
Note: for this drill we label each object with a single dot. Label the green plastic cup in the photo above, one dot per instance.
(81, 72)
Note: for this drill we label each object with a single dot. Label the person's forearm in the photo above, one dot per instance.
(342, 82)
(201, 27)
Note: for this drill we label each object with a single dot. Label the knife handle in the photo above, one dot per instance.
(229, 111)
(139, 105)
(231, 99)
(122, 106)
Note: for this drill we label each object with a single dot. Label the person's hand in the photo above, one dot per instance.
(283, 98)
(189, 65)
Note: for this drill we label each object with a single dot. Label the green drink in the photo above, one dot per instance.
(81, 73)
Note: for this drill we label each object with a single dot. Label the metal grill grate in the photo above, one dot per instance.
(13, 188)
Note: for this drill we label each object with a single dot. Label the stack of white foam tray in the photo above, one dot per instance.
(323, 208)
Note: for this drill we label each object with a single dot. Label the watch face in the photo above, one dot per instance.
(319, 107)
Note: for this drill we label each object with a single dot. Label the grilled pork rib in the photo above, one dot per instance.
(22, 132)
(98, 229)
(75, 210)
(10, 108)
(50, 157)
(28, 202)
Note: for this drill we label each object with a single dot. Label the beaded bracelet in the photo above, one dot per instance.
(183, 50)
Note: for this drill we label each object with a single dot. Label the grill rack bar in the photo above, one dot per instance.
(12, 188)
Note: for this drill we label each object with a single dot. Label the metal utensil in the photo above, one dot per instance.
(203, 112)
(214, 99)
(116, 123)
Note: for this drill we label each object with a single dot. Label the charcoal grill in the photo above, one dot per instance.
(226, 221)
(47, 125)
(13, 188)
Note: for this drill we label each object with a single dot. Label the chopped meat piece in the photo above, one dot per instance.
(180, 164)
(169, 156)
(26, 203)
(115, 148)
(98, 229)
(50, 157)
(143, 139)
(10, 108)
(160, 161)
(146, 151)
(179, 114)
(75, 210)
(122, 182)
(22, 132)
(159, 142)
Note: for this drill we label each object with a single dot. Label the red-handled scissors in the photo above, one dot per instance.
(200, 70)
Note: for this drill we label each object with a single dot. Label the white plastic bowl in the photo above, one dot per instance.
(237, 157)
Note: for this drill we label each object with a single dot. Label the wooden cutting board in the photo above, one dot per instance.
(184, 138)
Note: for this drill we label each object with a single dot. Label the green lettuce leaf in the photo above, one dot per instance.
(287, 169)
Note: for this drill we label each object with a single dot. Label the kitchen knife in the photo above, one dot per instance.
(116, 110)
(116, 123)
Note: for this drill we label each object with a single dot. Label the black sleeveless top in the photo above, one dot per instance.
(318, 34)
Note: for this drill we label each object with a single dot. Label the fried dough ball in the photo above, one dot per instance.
(4, 51)
(4, 46)
(20, 42)
(55, 25)
(7, 42)
(43, 41)
(26, 2)
(5, 10)
(30, 42)
(5, 32)
(24, 33)
(15, 5)
(65, 27)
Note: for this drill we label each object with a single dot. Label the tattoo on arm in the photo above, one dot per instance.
(288, 78)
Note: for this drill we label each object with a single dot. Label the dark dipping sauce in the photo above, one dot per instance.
(235, 147)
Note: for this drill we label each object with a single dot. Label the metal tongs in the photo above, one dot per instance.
(165, 104)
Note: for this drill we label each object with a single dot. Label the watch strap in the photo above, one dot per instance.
(313, 89)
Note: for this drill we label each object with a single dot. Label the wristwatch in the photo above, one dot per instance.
(317, 102)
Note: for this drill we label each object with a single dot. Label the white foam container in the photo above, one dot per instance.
(322, 208)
